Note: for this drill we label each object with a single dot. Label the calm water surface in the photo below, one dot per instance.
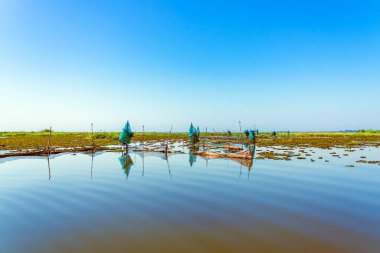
(114, 203)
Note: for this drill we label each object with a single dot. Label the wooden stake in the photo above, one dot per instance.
(92, 136)
(205, 139)
(167, 141)
(240, 128)
(143, 138)
(49, 142)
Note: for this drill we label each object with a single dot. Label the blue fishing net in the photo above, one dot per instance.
(126, 135)
(193, 134)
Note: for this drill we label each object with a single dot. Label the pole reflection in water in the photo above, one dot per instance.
(92, 162)
(93, 154)
(164, 156)
(48, 161)
(167, 161)
(143, 163)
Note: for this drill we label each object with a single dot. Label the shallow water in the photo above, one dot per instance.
(110, 203)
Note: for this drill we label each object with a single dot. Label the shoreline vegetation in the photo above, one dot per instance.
(36, 143)
(37, 140)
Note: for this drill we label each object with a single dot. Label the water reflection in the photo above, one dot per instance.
(126, 163)
(93, 154)
(143, 163)
(48, 162)
(318, 207)
(167, 162)
(192, 157)
(164, 156)
(92, 162)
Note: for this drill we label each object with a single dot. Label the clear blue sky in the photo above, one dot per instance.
(284, 65)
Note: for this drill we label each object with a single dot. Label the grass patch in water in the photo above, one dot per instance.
(38, 140)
